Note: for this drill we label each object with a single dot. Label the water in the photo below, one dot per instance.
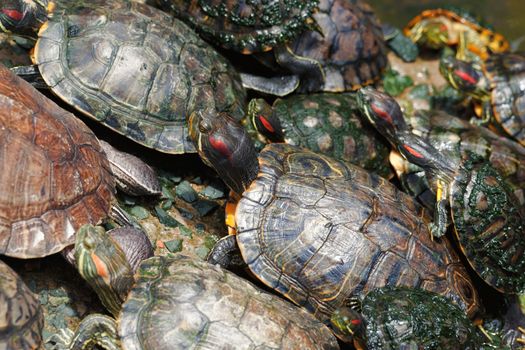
(507, 16)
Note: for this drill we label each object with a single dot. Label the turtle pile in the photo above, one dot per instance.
(258, 175)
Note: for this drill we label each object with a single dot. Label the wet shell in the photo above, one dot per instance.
(136, 70)
(318, 231)
(180, 302)
(21, 316)
(58, 177)
(244, 26)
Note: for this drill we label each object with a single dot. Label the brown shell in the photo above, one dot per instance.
(21, 316)
(319, 231)
(349, 47)
(506, 73)
(55, 176)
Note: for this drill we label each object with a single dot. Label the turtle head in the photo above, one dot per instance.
(23, 16)
(264, 120)
(433, 34)
(349, 326)
(103, 264)
(225, 145)
(382, 111)
(463, 76)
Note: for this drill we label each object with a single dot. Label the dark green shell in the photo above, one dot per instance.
(246, 26)
(180, 302)
(329, 123)
(506, 73)
(318, 231)
(21, 315)
(490, 225)
(349, 45)
(406, 318)
(457, 137)
(136, 70)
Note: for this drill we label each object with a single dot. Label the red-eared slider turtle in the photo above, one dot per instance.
(318, 230)
(457, 137)
(57, 177)
(129, 66)
(21, 315)
(179, 302)
(452, 26)
(326, 123)
(244, 26)
(497, 85)
(344, 52)
(488, 220)
(393, 318)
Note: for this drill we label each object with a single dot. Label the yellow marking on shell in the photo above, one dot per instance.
(439, 192)
(51, 6)
(101, 268)
(231, 205)
(43, 28)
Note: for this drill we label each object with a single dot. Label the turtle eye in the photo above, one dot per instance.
(265, 123)
(15, 15)
(204, 126)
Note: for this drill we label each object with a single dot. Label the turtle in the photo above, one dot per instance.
(406, 318)
(457, 137)
(488, 219)
(453, 26)
(323, 122)
(59, 177)
(497, 84)
(21, 313)
(127, 65)
(246, 27)
(181, 302)
(318, 230)
(345, 51)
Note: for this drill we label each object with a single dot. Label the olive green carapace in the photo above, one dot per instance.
(21, 315)
(180, 302)
(488, 218)
(245, 26)
(329, 123)
(136, 70)
(417, 319)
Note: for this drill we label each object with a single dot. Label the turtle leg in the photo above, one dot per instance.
(311, 72)
(226, 253)
(32, 75)
(277, 86)
(94, 332)
(485, 113)
(439, 226)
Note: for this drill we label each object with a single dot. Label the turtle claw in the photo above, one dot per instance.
(436, 231)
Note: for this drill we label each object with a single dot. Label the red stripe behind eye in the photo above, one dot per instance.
(13, 14)
(381, 113)
(413, 151)
(266, 124)
(355, 321)
(220, 146)
(465, 76)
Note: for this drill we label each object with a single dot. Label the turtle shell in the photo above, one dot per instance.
(481, 37)
(506, 73)
(318, 231)
(488, 219)
(329, 123)
(403, 318)
(348, 45)
(136, 70)
(244, 26)
(21, 313)
(59, 178)
(179, 302)
(458, 138)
